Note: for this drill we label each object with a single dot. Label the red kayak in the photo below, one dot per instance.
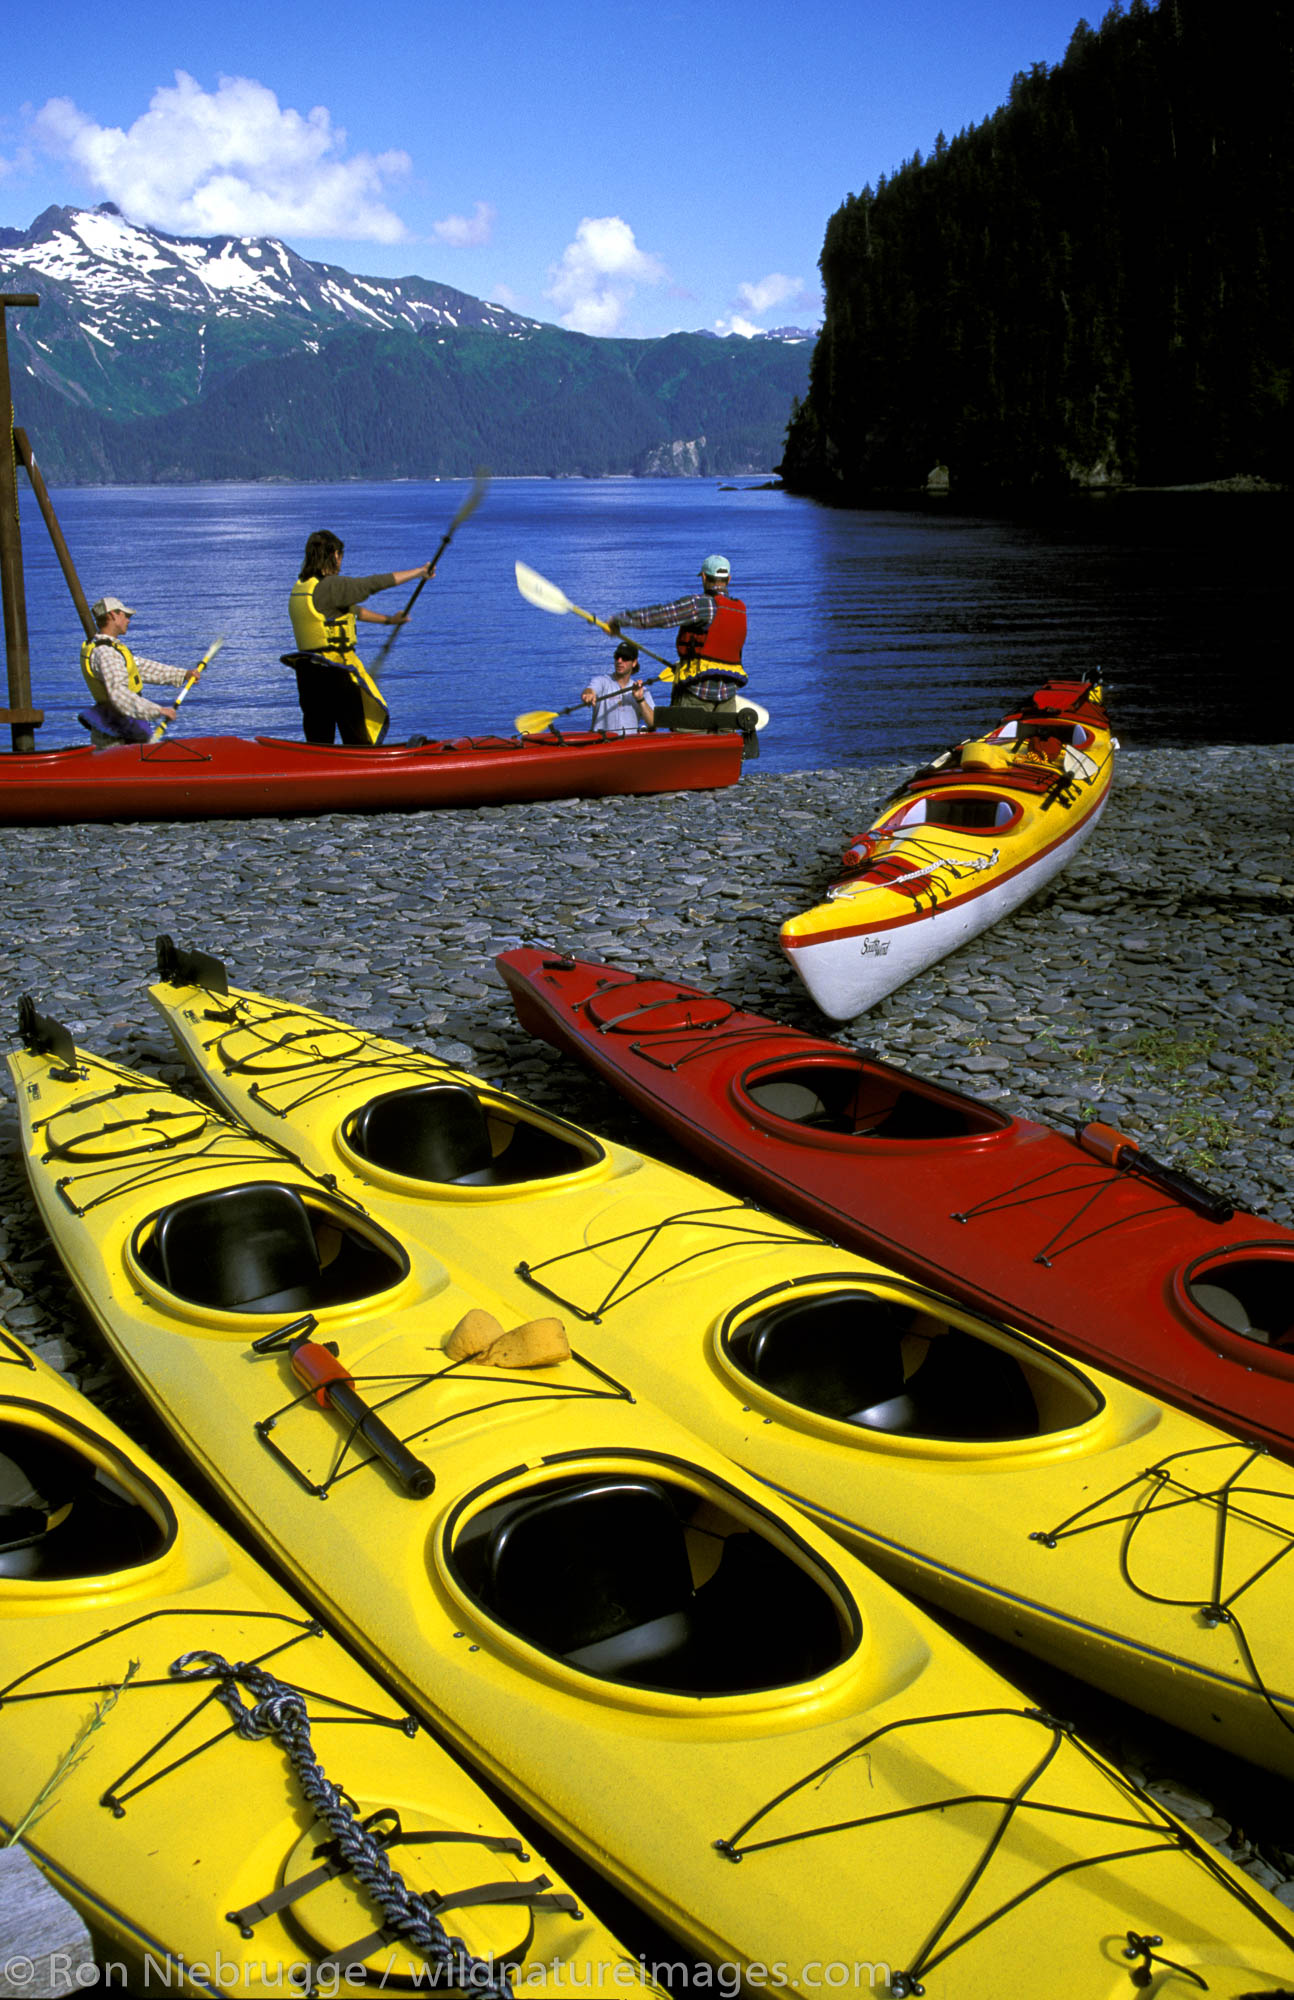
(1085, 1241)
(223, 777)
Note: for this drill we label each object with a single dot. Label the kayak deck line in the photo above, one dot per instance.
(504, 1389)
(166, 1755)
(939, 1946)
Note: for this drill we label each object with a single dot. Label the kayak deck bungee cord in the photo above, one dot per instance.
(941, 1445)
(752, 1734)
(963, 843)
(216, 1840)
(1078, 1238)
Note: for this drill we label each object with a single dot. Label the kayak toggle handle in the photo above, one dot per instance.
(1104, 1143)
(332, 1385)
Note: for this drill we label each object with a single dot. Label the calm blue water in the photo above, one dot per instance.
(874, 635)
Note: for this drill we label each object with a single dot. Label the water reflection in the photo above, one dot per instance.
(877, 634)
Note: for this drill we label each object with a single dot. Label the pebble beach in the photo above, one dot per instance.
(1149, 986)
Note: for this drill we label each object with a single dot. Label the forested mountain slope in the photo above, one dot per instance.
(1091, 288)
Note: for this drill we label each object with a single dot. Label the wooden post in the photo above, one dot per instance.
(61, 550)
(11, 579)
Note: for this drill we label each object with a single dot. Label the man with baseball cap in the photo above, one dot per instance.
(621, 704)
(710, 637)
(122, 712)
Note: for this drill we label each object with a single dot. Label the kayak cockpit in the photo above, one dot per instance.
(854, 1098)
(637, 1578)
(884, 1365)
(972, 812)
(446, 1134)
(1241, 1299)
(70, 1509)
(266, 1247)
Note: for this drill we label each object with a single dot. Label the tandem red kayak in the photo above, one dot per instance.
(224, 777)
(1083, 1239)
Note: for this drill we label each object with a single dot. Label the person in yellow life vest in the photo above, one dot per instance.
(115, 676)
(711, 635)
(338, 695)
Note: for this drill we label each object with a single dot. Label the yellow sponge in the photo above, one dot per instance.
(475, 1331)
(537, 1344)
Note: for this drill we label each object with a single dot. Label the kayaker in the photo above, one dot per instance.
(122, 712)
(621, 704)
(338, 695)
(711, 634)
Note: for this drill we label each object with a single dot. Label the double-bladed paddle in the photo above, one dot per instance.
(480, 484)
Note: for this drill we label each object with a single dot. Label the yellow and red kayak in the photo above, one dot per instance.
(963, 843)
(802, 1777)
(207, 1858)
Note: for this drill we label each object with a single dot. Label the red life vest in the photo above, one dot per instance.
(724, 638)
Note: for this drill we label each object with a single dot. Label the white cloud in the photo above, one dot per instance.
(745, 327)
(232, 161)
(466, 232)
(599, 273)
(774, 290)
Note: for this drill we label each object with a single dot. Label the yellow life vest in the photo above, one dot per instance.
(335, 638)
(95, 682)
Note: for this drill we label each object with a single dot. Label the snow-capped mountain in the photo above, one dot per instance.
(107, 284)
(115, 266)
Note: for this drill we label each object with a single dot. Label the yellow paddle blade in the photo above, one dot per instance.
(536, 719)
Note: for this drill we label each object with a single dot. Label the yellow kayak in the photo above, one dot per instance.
(965, 842)
(1058, 1508)
(205, 1860)
(802, 1777)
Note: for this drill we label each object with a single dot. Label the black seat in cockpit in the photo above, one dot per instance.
(841, 1355)
(241, 1249)
(440, 1132)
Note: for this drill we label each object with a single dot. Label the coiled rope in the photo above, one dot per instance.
(279, 1711)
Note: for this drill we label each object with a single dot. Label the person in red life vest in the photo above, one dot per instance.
(115, 676)
(711, 634)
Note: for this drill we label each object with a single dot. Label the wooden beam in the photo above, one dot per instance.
(17, 655)
(61, 550)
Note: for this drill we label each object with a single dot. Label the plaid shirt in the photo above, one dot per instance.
(107, 663)
(694, 611)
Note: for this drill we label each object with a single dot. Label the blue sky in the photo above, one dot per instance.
(629, 169)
